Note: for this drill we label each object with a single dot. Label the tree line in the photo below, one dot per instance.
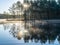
(38, 10)
(45, 10)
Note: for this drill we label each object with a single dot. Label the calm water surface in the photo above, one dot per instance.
(16, 33)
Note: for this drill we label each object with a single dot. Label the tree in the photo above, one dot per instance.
(16, 9)
(44, 9)
(6, 14)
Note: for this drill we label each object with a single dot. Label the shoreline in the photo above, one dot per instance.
(2, 21)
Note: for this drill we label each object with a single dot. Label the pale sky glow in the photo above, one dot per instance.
(5, 4)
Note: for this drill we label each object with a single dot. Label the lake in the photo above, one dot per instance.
(37, 34)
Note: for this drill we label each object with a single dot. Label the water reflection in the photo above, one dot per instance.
(37, 33)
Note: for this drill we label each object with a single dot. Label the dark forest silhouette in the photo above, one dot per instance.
(44, 10)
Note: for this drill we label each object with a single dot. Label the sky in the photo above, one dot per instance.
(5, 4)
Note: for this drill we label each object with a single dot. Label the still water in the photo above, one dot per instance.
(37, 34)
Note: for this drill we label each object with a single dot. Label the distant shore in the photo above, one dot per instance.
(2, 21)
(18, 20)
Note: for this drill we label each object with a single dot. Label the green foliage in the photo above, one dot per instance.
(44, 10)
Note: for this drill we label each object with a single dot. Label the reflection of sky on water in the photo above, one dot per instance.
(7, 36)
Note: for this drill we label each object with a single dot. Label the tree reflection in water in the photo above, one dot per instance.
(41, 33)
(6, 26)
